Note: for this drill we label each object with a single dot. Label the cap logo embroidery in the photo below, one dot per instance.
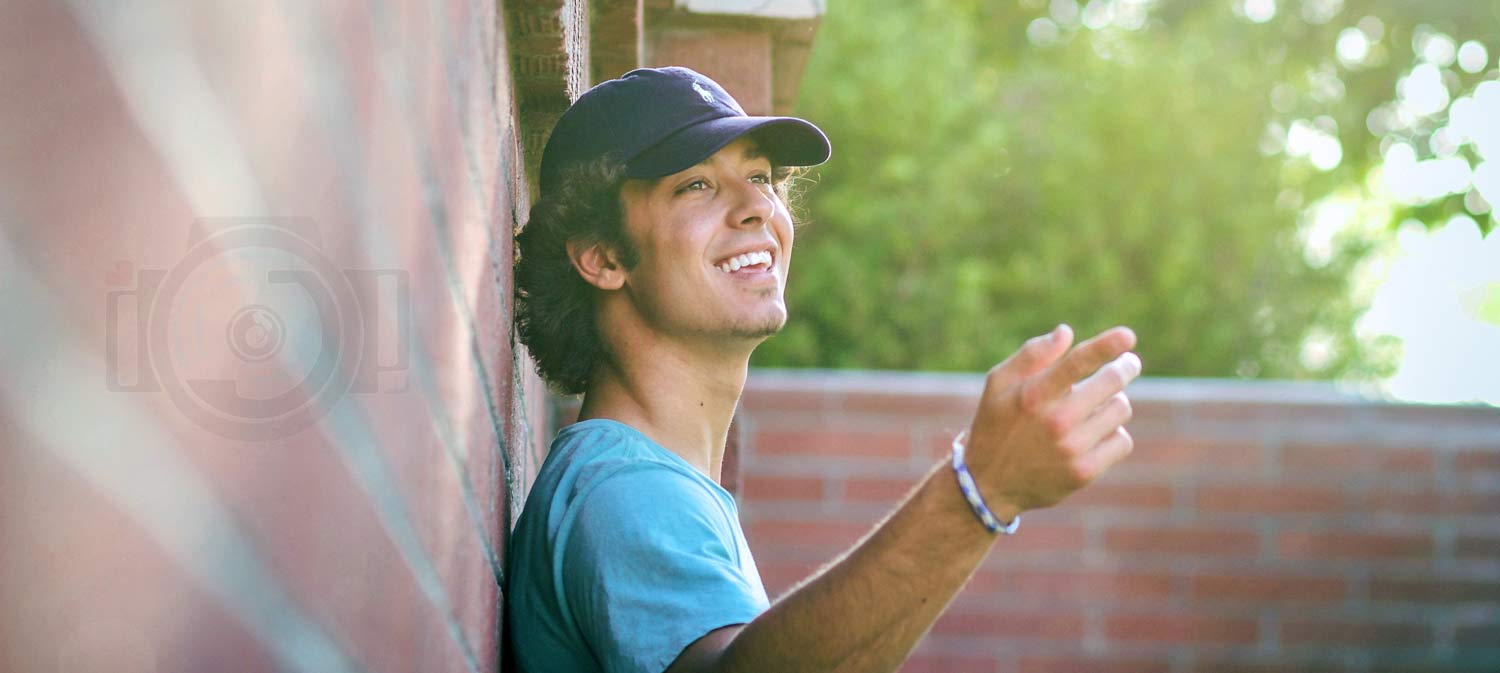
(707, 97)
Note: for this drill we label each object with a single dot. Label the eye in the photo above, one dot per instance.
(762, 178)
(696, 185)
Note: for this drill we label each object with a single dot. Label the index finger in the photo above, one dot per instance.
(1084, 360)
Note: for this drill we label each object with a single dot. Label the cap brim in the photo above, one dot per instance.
(788, 141)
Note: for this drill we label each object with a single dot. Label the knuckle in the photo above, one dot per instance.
(1032, 399)
(1056, 424)
(1077, 366)
(1079, 474)
(1115, 375)
(995, 376)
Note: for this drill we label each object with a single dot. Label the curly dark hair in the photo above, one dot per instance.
(554, 305)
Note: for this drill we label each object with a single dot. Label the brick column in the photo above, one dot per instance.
(550, 61)
(618, 40)
(756, 50)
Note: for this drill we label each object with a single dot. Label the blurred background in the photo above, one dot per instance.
(1263, 189)
(262, 406)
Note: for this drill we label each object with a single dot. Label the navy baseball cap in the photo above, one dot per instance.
(659, 121)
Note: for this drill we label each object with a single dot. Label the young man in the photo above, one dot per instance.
(654, 263)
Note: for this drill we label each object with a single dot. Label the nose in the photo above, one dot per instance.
(754, 205)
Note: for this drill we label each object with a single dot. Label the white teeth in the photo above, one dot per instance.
(734, 264)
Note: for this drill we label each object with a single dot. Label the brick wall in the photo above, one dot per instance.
(153, 520)
(1257, 526)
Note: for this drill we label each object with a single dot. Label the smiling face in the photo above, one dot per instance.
(715, 244)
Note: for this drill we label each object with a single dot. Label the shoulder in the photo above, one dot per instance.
(610, 460)
(629, 495)
(611, 475)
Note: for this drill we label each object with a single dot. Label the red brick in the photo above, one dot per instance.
(1269, 499)
(1112, 664)
(740, 60)
(1041, 537)
(1332, 544)
(1419, 502)
(779, 576)
(1346, 457)
(1091, 585)
(1262, 588)
(1472, 546)
(1477, 635)
(765, 487)
(922, 405)
(1435, 591)
(1012, 625)
(1259, 412)
(1180, 541)
(872, 489)
(1436, 416)
(1180, 628)
(1432, 502)
(1478, 459)
(1420, 461)
(933, 663)
(1352, 632)
(763, 402)
(1425, 664)
(939, 443)
(844, 443)
(1185, 454)
(805, 533)
(1113, 494)
(614, 37)
(1340, 457)
(1277, 664)
(1476, 504)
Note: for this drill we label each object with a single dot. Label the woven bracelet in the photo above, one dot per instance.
(971, 492)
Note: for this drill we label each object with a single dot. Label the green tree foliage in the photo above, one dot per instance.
(994, 175)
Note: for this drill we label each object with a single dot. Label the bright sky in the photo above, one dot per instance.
(1441, 297)
(1439, 291)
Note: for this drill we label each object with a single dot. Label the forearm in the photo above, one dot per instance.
(868, 610)
(1044, 428)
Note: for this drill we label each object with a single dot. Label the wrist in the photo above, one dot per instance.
(998, 516)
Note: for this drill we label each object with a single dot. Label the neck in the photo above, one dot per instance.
(680, 396)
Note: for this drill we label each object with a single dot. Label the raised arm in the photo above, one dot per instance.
(1046, 425)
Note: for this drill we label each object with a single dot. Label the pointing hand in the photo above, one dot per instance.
(1051, 420)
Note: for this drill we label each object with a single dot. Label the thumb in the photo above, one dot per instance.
(1033, 356)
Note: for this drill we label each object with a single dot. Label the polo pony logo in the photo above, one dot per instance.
(707, 97)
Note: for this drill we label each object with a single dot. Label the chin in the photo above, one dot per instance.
(763, 332)
(763, 327)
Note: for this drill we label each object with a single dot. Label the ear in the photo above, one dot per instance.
(597, 263)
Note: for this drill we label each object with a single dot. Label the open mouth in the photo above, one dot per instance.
(760, 260)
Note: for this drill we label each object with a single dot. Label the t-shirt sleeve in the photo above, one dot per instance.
(650, 565)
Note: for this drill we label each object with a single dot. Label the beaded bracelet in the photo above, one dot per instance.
(971, 492)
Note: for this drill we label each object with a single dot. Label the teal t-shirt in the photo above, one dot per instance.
(624, 555)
